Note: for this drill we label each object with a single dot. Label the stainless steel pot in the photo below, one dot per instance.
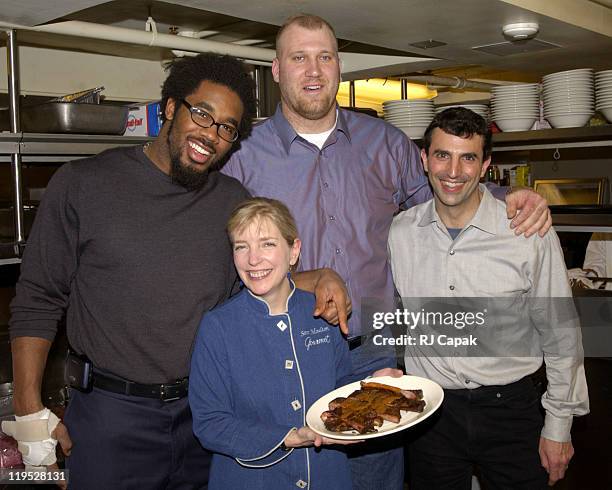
(69, 117)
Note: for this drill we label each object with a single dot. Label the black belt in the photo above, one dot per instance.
(166, 391)
(520, 386)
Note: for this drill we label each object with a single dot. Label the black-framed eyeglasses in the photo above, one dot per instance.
(203, 119)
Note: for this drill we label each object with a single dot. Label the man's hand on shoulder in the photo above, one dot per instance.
(529, 212)
(555, 457)
(332, 299)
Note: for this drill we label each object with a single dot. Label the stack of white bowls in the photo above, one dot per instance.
(515, 107)
(480, 109)
(603, 93)
(411, 116)
(569, 98)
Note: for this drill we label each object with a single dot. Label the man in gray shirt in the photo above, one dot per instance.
(459, 245)
(130, 245)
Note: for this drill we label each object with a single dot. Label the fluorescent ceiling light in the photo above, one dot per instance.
(373, 92)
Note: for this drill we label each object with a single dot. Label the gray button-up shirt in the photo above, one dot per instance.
(488, 260)
(343, 196)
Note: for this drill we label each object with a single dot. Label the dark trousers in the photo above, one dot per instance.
(125, 442)
(492, 430)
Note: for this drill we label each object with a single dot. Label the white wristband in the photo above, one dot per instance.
(33, 435)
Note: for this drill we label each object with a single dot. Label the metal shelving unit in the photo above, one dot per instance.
(546, 139)
(582, 218)
(78, 145)
(33, 148)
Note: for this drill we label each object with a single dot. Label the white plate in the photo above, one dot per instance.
(480, 113)
(568, 83)
(589, 85)
(413, 132)
(402, 108)
(407, 103)
(410, 124)
(514, 110)
(509, 124)
(568, 120)
(428, 118)
(569, 100)
(569, 73)
(569, 90)
(432, 394)
(607, 112)
(565, 78)
(568, 105)
(553, 98)
(514, 93)
(515, 107)
(568, 111)
(514, 100)
(409, 114)
(510, 93)
(516, 88)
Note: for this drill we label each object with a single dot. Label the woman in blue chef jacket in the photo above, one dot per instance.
(259, 362)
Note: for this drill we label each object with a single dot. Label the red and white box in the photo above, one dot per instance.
(144, 120)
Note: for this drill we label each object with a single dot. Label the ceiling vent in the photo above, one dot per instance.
(428, 44)
(508, 48)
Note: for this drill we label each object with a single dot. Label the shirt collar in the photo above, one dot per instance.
(485, 218)
(288, 135)
(261, 305)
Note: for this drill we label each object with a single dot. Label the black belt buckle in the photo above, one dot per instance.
(355, 342)
(174, 391)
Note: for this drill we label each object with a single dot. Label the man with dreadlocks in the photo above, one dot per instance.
(130, 246)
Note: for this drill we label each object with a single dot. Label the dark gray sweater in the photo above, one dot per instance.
(131, 258)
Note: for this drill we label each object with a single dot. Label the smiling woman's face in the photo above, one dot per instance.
(262, 258)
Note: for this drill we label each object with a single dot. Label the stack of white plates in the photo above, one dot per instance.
(603, 93)
(569, 98)
(411, 116)
(515, 107)
(480, 109)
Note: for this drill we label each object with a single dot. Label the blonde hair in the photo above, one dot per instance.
(263, 208)
(307, 21)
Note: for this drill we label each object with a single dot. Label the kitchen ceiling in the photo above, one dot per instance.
(577, 33)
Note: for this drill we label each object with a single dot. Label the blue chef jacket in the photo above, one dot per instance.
(253, 378)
